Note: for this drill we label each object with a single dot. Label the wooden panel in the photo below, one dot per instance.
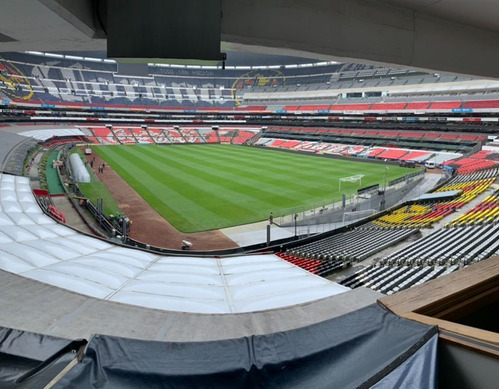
(451, 338)
(475, 333)
(451, 297)
(443, 292)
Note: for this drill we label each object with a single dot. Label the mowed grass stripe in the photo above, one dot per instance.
(275, 193)
(263, 159)
(288, 181)
(238, 212)
(252, 199)
(314, 182)
(201, 207)
(182, 175)
(200, 187)
(230, 179)
(283, 163)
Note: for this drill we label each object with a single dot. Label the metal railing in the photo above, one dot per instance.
(326, 215)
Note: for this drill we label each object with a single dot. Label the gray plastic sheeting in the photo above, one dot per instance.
(418, 371)
(356, 350)
(30, 361)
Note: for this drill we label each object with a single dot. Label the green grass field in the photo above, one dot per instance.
(206, 187)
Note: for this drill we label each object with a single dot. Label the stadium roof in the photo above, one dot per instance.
(35, 246)
(438, 196)
(444, 35)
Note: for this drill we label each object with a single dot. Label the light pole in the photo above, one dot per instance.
(382, 203)
(295, 220)
(385, 178)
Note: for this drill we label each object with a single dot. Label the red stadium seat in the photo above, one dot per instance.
(418, 105)
(392, 154)
(481, 104)
(445, 105)
(388, 106)
(350, 107)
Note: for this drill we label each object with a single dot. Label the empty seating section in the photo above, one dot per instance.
(226, 135)
(389, 133)
(375, 152)
(142, 136)
(482, 160)
(354, 150)
(290, 144)
(191, 135)
(472, 165)
(263, 141)
(124, 132)
(358, 142)
(470, 190)
(484, 212)
(481, 104)
(449, 136)
(420, 215)
(411, 216)
(277, 143)
(242, 137)
(474, 176)
(437, 254)
(485, 154)
(418, 105)
(388, 279)
(291, 107)
(415, 155)
(81, 82)
(158, 135)
(412, 134)
(315, 266)
(155, 135)
(445, 105)
(174, 135)
(392, 154)
(211, 136)
(388, 106)
(468, 137)
(307, 146)
(104, 135)
(124, 135)
(321, 107)
(316, 147)
(354, 245)
(350, 107)
(448, 246)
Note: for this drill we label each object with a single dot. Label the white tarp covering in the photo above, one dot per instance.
(443, 157)
(47, 134)
(80, 173)
(35, 246)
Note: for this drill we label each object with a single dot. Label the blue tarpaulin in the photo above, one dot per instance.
(370, 347)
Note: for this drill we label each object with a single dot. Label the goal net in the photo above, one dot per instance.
(351, 179)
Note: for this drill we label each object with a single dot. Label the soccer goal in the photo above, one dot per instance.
(351, 179)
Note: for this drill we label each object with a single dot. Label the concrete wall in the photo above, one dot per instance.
(460, 368)
(360, 31)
